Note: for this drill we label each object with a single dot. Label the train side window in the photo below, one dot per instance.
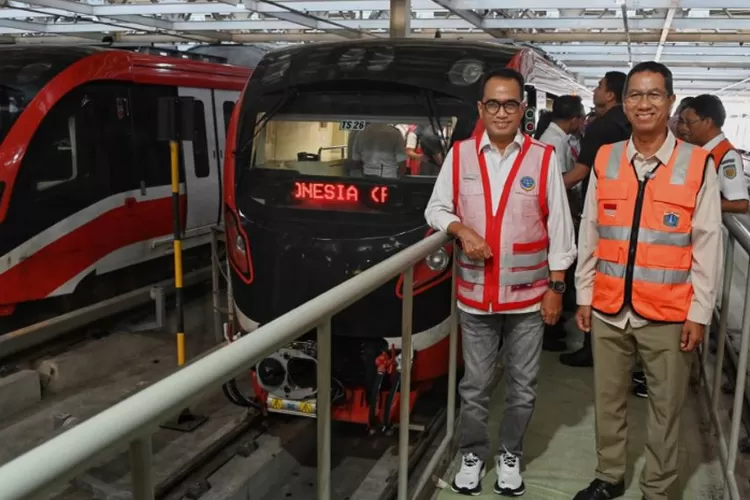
(151, 156)
(200, 144)
(228, 108)
(84, 138)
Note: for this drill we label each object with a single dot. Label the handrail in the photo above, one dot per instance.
(728, 448)
(42, 469)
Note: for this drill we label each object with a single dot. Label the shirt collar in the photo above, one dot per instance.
(714, 142)
(663, 154)
(485, 143)
(556, 129)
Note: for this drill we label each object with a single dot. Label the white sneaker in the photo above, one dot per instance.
(468, 480)
(509, 481)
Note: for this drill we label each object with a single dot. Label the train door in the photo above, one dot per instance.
(201, 168)
(224, 101)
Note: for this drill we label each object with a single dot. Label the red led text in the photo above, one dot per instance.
(324, 191)
(379, 194)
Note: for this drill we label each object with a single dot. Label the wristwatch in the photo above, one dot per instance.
(557, 286)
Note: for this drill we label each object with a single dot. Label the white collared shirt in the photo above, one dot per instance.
(555, 136)
(731, 172)
(440, 212)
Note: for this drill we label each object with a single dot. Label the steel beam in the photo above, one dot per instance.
(400, 18)
(79, 29)
(574, 50)
(594, 4)
(665, 29)
(694, 60)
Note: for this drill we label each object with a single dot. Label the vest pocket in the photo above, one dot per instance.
(672, 209)
(525, 203)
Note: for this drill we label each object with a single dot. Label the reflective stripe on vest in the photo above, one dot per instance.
(516, 276)
(653, 265)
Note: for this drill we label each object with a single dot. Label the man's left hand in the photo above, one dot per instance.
(692, 336)
(551, 307)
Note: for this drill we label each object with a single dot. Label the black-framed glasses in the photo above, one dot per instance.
(493, 106)
(655, 97)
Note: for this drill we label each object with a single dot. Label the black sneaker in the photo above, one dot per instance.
(601, 490)
(639, 378)
(640, 390)
(583, 357)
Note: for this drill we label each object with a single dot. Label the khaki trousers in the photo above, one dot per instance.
(667, 372)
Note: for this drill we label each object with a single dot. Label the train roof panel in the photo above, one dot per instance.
(420, 63)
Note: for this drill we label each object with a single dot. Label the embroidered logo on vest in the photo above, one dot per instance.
(671, 219)
(527, 183)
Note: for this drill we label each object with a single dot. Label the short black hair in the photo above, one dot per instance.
(566, 107)
(506, 73)
(615, 81)
(708, 106)
(653, 67)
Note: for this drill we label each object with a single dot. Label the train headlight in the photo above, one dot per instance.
(438, 260)
(240, 244)
(466, 72)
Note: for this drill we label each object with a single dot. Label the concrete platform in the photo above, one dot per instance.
(560, 448)
(19, 391)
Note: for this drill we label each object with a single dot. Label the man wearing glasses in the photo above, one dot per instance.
(702, 117)
(650, 250)
(501, 194)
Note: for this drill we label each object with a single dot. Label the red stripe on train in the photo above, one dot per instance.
(51, 267)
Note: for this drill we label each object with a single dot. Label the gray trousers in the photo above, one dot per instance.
(522, 336)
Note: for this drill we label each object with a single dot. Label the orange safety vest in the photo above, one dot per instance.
(517, 274)
(645, 249)
(720, 151)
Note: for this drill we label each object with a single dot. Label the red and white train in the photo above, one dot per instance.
(85, 201)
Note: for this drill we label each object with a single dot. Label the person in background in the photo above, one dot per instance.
(556, 128)
(678, 128)
(650, 250)
(703, 117)
(510, 280)
(610, 126)
(379, 151)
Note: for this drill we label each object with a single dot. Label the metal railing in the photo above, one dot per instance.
(728, 449)
(132, 421)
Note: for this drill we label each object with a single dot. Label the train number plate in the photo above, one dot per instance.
(352, 125)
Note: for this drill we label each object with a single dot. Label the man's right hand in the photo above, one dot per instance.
(473, 245)
(583, 318)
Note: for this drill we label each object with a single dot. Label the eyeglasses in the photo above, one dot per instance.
(493, 107)
(689, 123)
(653, 97)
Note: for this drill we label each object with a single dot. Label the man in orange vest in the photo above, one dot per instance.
(650, 250)
(700, 122)
(501, 194)
(703, 118)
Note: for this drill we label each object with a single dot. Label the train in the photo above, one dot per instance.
(302, 216)
(85, 197)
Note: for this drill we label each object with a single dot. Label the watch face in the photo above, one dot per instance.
(558, 286)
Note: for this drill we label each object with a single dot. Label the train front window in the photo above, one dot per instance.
(352, 146)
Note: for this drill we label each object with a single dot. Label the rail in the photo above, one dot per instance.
(133, 421)
(729, 448)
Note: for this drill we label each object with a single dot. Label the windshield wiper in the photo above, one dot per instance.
(289, 93)
(434, 117)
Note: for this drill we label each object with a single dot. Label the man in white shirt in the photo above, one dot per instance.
(501, 194)
(379, 148)
(702, 118)
(565, 119)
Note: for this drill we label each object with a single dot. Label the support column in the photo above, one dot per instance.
(400, 18)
